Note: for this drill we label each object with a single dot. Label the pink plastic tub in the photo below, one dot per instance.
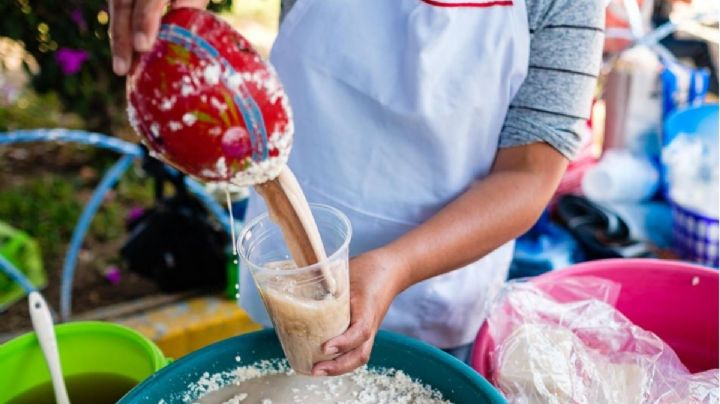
(675, 300)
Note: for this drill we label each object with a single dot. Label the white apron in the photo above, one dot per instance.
(398, 105)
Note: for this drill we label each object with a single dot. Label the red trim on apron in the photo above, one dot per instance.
(498, 3)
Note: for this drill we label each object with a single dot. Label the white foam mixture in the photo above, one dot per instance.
(274, 382)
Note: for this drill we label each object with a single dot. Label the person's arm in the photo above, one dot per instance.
(490, 213)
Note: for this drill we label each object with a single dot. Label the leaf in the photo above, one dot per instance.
(224, 117)
(203, 117)
(232, 108)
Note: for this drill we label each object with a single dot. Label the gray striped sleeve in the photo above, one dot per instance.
(565, 54)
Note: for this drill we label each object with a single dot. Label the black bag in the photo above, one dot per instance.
(175, 243)
(600, 231)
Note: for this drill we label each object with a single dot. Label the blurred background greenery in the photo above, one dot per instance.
(67, 54)
(55, 72)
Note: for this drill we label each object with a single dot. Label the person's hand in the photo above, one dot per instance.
(134, 25)
(373, 286)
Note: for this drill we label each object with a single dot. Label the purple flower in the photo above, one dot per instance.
(135, 214)
(70, 60)
(77, 17)
(112, 274)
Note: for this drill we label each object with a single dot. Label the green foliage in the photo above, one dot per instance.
(46, 26)
(36, 111)
(47, 207)
(136, 189)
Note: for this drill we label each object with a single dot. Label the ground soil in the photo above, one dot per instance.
(91, 290)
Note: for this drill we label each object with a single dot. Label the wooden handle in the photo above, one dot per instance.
(289, 209)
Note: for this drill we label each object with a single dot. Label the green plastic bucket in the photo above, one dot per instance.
(85, 347)
(455, 380)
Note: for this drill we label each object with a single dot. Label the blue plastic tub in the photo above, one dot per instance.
(455, 380)
(700, 121)
(695, 235)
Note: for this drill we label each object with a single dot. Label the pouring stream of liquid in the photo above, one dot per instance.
(289, 209)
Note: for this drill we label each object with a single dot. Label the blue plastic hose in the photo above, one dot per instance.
(109, 180)
(70, 136)
(14, 274)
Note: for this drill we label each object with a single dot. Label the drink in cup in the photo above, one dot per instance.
(304, 312)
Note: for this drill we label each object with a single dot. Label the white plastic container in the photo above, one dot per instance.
(621, 176)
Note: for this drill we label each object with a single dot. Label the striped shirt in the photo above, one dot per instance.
(553, 103)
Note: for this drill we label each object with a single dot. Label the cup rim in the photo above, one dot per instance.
(265, 215)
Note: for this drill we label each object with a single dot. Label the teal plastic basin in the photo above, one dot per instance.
(458, 382)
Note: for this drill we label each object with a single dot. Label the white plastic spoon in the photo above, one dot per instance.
(44, 329)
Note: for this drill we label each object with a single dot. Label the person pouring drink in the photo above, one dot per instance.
(441, 128)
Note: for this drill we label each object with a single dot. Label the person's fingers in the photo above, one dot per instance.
(360, 329)
(359, 332)
(345, 363)
(190, 3)
(145, 23)
(120, 35)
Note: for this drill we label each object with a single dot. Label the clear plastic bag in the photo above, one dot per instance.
(564, 342)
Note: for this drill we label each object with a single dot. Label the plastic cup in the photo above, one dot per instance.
(304, 313)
